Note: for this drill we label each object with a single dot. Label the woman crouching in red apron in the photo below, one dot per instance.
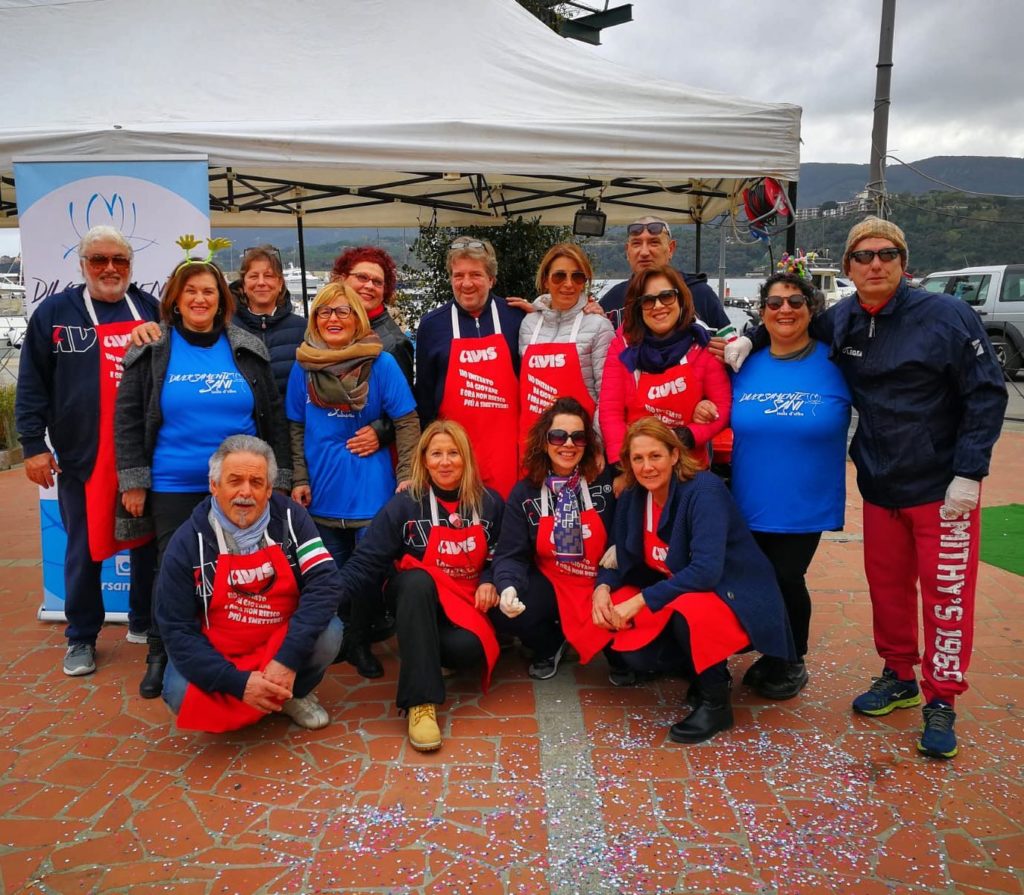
(434, 542)
(691, 587)
(553, 534)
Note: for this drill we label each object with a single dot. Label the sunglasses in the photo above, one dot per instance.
(655, 228)
(794, 301)
(866, 256)
(667, 297)
(262, 250)
(558, 437)
(467, 244)
(560, 276)
(342, 313)
(99, 263)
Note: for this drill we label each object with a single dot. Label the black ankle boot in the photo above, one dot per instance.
(153, 680)
(356, 651)
(712, 715)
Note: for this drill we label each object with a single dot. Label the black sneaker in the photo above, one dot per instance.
(784, 682)
(938, 739)
(543, 669)
(627, 677)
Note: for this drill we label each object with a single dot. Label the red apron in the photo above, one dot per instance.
(573, 580)
(454, 559)
(548, 372)
(253, 598)
(715, 632)
(101, 493)
(479, 394)
(666, 396)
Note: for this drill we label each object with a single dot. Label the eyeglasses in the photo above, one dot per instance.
(655, 228)
(468, 244)
(558, 437)
(262, 250)
(667, 297)
(364, 278)
(866, 256)
(794, 301)
(560, 276)
(99, 263)
(342, 313)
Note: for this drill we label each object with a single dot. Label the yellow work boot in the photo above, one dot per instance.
(424, 734)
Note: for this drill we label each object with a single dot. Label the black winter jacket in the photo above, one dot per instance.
(281, 332)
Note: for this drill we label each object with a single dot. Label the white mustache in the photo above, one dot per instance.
(243, 502)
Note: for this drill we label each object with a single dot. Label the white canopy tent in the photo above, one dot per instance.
(377, 112)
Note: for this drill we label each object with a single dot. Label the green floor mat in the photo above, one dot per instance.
(1002, 537)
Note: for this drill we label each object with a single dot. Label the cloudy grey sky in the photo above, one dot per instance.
(957, 79)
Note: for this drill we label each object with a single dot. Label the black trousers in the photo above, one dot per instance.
(670, 653)
(538, 626)
(427, 641)
(170, 510)
(790, 556)
(83, 597)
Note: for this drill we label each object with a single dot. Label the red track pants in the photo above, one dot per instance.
(911, 546)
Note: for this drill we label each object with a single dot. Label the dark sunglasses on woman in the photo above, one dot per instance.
(559, 276)
(667, 297)
(794, 301)
(558, 437)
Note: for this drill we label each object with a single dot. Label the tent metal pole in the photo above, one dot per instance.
(791, 231)
(696, 250)
(302, 265)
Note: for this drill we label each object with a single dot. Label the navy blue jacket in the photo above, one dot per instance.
(705, 301)
(402, 527)
(59, 374)
(929, 393)
(517, 544)
(186, 584)
(434, 345)
(710, 548)
(281, 332)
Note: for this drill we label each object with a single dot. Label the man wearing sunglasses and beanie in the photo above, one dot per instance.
(67, 381)
(930, 397)
(649, 243)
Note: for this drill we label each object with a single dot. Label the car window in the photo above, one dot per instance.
(934, 284)
(1013, 287)
(973, 289)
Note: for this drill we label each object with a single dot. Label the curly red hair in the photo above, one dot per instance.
(348, 259)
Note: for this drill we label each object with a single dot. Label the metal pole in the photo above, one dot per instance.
(696, 250)
(880, 128)
(302, 265)
(721, 261)
(791, 232)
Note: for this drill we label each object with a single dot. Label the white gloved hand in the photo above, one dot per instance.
(610, 559)
(510, 604)
(961, 497)
(737, 351)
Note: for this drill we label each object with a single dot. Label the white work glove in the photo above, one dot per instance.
(610, 559)
(510, 604)
(737, 351)
(961, 497)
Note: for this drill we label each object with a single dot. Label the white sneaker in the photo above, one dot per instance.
(307, 712)
(140, 637)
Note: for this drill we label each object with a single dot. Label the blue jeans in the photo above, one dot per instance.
(325, 649)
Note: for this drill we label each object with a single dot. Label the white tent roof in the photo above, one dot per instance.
(376, 112)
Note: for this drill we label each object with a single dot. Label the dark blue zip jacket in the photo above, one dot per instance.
(281, 332)
(434, 345)
(710, 548)
(705, 301)
(59, 375)
(929, 393)
(185, 586)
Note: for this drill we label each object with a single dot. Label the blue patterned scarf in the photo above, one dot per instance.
(568, 528)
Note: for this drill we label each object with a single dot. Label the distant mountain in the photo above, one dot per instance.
(826, 181)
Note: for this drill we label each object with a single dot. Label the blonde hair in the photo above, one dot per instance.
(328, 294)
(685, 467)
(471, 491)
(462, 247)
(562, 250)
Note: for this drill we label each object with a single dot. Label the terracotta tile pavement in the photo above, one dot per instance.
(100, 794)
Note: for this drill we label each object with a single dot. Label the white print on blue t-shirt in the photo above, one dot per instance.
(223, 383)
(786, 403)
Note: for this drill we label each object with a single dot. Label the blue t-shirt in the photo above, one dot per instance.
(790, 419)
(345, 486)
(204, 400)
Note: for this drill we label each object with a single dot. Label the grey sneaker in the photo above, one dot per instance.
(80, 659)
(544, 669)
(307, 712)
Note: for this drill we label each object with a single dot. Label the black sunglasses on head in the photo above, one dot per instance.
(655, 228)
(558, 437)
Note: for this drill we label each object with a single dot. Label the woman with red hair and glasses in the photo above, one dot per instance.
(371, 272)
(659, 365)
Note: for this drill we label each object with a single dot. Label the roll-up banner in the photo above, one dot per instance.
(152, 201)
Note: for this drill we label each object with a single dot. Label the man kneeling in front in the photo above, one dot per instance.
(247, 601)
